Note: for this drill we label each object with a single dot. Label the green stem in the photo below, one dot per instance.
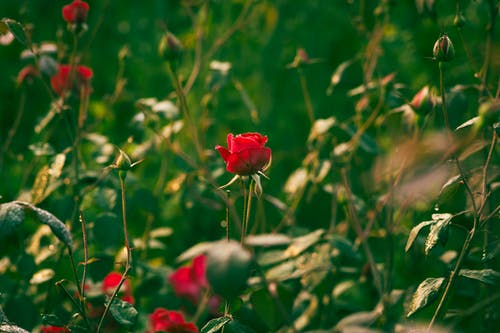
(443, 96)
(128, 263)
(81, 304)
(307, 96)
(246, 211)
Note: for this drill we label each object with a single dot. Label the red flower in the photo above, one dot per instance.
(189, 281)
(246, 153)
(54, 329)
(163, 320)
(63, 80)
(75, 12)
(110, 283)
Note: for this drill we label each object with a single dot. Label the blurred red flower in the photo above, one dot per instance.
(75, 12)
(27, 74)
(163, 320)
(63, 80)
(54, 329)
(245, 154)
(111, 281)
(189, 281)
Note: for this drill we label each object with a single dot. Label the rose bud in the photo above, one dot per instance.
(76, 12)
(170, 47)
(443, 49)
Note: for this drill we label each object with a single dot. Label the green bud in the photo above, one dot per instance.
(228, 268)
(170, 47)
(459, 20)
(443, 49)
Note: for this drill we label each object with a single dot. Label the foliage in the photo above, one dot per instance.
(122, 211)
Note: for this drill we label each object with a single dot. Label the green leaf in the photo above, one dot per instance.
(57, 226)
(123, 312)
(11, 216)
(215, 325)
(438, 232)
(51, 320)
(487, 276)
(300, 244)
(426, 292)
(16, 29)
(414, 233)
(358, 319)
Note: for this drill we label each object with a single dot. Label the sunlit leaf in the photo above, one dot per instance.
(267, 240)
(8, 328)
(414, 233)
(16, 29)
(358, 319)
(215, 325)
(438, 231)
(42, 276)
(123, 312)
(426, 292)
(468, 123)
(300, 244)
(487, 276)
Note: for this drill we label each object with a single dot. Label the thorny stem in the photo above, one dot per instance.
(360, 234)
(81, 304)
(77, 305)
(128, 263)
(85, 256)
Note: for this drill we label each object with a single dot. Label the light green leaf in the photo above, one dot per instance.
(426, 292)
(414, 233)
(124, 313)
(42, 276)
(215, 325)
(487, 276)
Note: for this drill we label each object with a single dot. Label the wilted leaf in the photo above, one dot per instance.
(488, 276)
(300, 244)
(320, 127)
(296, 181)
(124, 313)
(11, 216)
(40, 185)
(426, 292)
(468, 123)
(414, 233)
(215, 325)
(42, 276)
(161, 232)
(438, 232)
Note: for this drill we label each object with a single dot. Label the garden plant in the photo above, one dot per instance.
(250, 166)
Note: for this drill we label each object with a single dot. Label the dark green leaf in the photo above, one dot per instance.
(426, 292)
(215, 325)
(438, 232)
(51, 320)
(488, 276)
(57, 226)
(11, 216)
(123, 312)
(414, 233)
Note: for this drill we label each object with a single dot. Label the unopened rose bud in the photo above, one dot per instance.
(424, 101)
(123, 161)
(443, 49)
(170, 47)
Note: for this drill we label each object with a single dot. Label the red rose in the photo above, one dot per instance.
(246, 153)
(62, 81)
(110, 283)
(163, 320)
(189, 281)
(75, 12)
(54, 329)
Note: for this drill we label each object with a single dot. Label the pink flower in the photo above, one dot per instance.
(75, 12)
(163, 320)
(110, 283)
(64, 80)
(54, 329)
(245, 154)
(189, 281)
